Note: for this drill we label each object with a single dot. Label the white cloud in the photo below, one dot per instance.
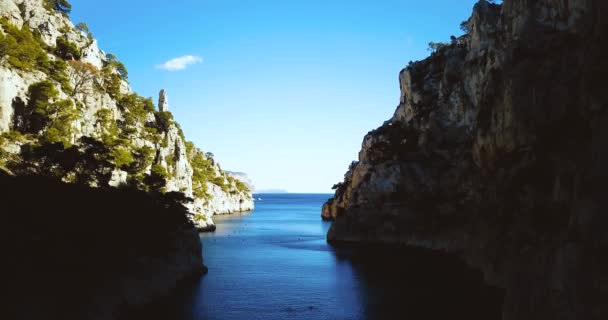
(179, 63)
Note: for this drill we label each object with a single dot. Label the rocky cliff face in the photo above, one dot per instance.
(497, 150)
(142, 143)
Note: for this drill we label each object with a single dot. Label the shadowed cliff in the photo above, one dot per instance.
(72, 252)
(497, 150)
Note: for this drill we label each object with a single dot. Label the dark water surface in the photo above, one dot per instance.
(274, 263)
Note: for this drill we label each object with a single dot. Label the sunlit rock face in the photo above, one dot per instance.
(497, 150)
(169, 146)
(163, 101)
(13, 86)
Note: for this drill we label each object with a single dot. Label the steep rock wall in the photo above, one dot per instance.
(497, 150)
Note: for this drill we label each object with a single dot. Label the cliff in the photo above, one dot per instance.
(72, 253)
(497, 151)
(60, 93)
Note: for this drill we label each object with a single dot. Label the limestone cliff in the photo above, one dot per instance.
(57, 86)
(498, 150)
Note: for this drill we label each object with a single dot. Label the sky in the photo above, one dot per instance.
(284, 90)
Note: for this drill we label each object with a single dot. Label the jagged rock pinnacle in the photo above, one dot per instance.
(163, 102)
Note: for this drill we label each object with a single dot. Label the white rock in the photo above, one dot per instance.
(163, 101)
(118, 179)
(14, 85)
(10, 10)
(93, 55)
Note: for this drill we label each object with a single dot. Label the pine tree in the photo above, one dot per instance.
(62, 6)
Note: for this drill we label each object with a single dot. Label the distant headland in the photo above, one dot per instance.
(271, 191)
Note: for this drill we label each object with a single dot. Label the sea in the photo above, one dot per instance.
(274, 263)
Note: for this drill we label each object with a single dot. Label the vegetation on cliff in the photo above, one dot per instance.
(82, 108)
(22, 48)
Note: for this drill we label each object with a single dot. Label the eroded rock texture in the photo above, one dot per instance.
(498, 150)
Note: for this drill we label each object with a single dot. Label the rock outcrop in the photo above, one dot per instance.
(163, 101)
(143, 144)
(497, 150)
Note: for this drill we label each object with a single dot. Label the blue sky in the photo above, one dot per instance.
(284, 90)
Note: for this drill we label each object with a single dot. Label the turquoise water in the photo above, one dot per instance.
(274, 263)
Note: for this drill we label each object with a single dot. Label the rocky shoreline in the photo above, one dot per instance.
(496, 152)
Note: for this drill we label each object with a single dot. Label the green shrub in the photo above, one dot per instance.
(180, 132)
(189, 147)
(159, 170)
(44, 112)
(61, 6)
(82, 27)
(234, 185)
(4, 156)
(60, 116)
(121, 157)
(144, 157)
(436, 46)
(202, 169)
(114, 65)
(5, 46)
(135, 108)
(464, 26)
(164, 120)
(240, 186)
(66, 49)
(151, 134)
(157, 179)
(165, 142)
(58, 72)
(10, 136)
(109, 128)
(170, 159)
(119, 147)
(200, 218)
(13, 135)
(22, 49)
(52, 135)
(122, 70)
(221, 182)
(111, 83)
(65, 29)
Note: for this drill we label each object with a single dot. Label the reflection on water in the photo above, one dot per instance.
(400, 283)
(275, 264)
